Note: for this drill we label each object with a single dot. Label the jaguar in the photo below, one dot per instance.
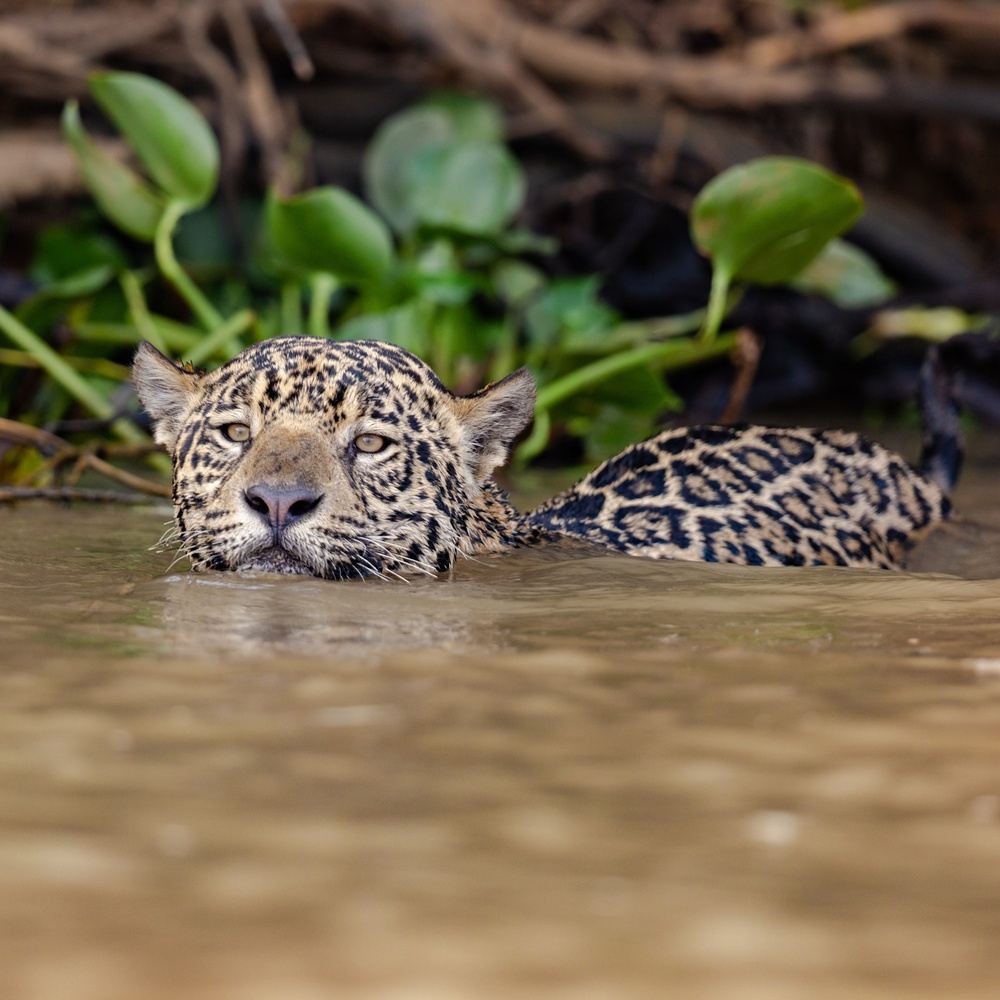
(350, 459)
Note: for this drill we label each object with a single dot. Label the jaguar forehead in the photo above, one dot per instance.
(341, 379)
(360, 360)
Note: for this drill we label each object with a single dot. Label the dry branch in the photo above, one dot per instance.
(864, 27)
(496, 44)
(62, 452)
(13, 494)
(746, 358)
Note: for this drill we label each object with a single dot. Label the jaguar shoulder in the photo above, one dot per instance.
(346, 459)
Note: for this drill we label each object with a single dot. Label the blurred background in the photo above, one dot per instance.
(617, 111)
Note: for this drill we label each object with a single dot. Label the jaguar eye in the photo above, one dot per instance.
(237, 432)
(370, 443)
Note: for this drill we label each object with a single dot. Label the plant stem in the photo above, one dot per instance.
(323, 286)
(139, 311)
(659, 328)
(534, 444)
(232, 327)
(206, 314)
(81, 390)
(449, 332)
(716, 305)
(57, 368)
(643, 331)
(176, 337)
(666, 356)
(90, 366)
(504, 358)
(291, 308)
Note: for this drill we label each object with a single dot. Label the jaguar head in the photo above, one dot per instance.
(340, 459)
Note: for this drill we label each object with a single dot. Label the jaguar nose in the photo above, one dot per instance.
(280, 506)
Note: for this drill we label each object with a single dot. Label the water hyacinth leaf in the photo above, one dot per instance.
(472, 117)
(437, 274)
(638, 390)
(203, 237)
(519, 241)
(467, 187)
(935, 324)
(448, 288)
(765, 220)
(82, 283)
(63, 251)
(327, 230)
(568, 311)
(406, 325)
(44, 308)
(609, 430)
(388, 164)
(846, 275)
(437, 256)
(515, 282)
(121, 194)
(167, 132)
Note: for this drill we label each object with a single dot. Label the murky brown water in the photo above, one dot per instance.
(556, 774)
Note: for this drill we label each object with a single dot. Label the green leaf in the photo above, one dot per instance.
(471, 117)
(516, 282)
(78, 285)
(202, 239)
(437, 274)
(935, 323)
(447, 289)
(638, 390)
(44, 308)
(610, 430)
(121, 194)
(518, 241)
(441, 164)
(407, 326)
(388, 164)
(64, 251)
(167, 132)
(764, 221)
(468, 187)
(568, 312)
(328, 230)
(846, 275)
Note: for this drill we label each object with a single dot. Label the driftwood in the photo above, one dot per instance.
(61, 453)
(68, 494)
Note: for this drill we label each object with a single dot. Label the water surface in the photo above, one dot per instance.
(554, 774)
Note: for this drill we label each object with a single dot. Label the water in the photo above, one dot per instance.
(556, 774)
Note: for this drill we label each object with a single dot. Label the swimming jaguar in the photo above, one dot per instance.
(350, 459)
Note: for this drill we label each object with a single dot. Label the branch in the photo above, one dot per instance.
(12, 494)
(695, 81)
(850, 29)
(51, 444)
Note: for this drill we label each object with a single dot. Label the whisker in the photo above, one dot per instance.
(401, 559)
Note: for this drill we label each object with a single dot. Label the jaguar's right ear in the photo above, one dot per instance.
(166, 390)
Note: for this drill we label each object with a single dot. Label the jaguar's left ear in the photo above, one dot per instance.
(494, 416)
(166, 390)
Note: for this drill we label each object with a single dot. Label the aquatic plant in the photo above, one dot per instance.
(434, 262)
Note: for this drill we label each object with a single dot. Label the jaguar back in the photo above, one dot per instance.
(759, 496)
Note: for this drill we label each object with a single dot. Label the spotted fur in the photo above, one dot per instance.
(761, 496)
(750, 495)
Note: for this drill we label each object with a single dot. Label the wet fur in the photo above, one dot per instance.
(749, 495)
